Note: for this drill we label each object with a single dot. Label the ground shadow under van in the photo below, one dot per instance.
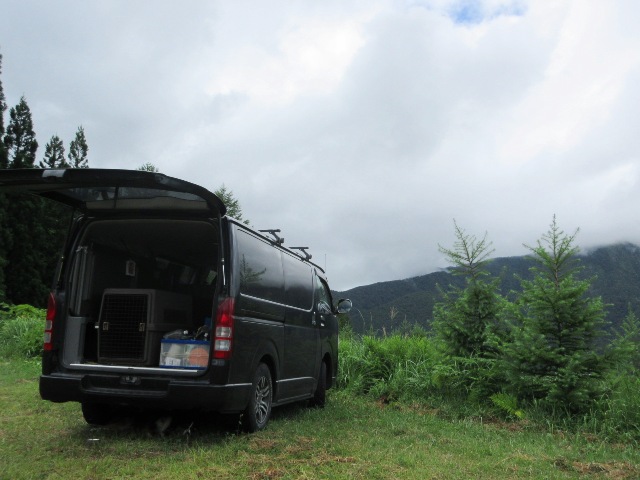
(175, 425)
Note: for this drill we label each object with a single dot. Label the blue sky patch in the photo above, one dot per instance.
(472, 12)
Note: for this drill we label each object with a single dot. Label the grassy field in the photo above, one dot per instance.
(350, 438)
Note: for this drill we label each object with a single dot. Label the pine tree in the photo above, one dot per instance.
(4, 155)
(20, 139)
(54, 216)
(54, 154)
(148, 167)
(26, 274)
(5, 231)
(467, 319)
(465, 316)
(556, 326)
(5, 241)
(78, 150)
(624, 350)
(234, 209)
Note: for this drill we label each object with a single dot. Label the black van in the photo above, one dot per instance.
(162, 302)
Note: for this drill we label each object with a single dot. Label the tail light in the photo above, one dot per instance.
(223, 331)
(48, 325)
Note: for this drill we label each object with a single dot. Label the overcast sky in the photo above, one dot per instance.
(361, 129)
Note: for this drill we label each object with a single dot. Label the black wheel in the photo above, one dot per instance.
(320, 395)
(97, 413)
(257, 413)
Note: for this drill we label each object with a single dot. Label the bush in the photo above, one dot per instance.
(21, 328)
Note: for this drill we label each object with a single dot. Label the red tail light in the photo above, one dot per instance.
(48, 325)
(223, 331)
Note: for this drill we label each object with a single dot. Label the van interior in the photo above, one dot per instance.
(133, 283)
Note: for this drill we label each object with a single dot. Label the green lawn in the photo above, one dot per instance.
(350, 438)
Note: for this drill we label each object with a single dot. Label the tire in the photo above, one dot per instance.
(97, 413)
(257, 413)
(320, 395)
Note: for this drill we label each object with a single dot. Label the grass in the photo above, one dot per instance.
(351, 438)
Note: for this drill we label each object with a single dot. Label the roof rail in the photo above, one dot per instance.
(307, 255)
(274, 233)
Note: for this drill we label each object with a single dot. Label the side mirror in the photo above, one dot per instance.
(344, 305)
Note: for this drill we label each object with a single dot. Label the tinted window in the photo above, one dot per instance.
(260, 268)
(297, 281)
(132, 197)
(323, 296)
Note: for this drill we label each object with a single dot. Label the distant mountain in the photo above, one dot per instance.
(616, 270)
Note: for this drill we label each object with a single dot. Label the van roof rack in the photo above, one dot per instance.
(274, 233)
(307, 255)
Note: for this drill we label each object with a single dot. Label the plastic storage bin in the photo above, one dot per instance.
(190, 354)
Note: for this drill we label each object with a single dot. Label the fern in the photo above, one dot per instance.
(507, 403)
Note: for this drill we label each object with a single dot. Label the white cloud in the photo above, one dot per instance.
(586, 72)
(304, 53)
(311, 59)
(360, 128)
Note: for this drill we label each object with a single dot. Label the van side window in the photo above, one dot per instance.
(297, 283)
(323, 296)
(261, 274)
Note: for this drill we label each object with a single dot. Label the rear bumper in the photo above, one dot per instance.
(152, 393)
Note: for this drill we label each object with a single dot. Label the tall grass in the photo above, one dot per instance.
(21, 330)
(410, 369)
(398, 368)
(618, 411)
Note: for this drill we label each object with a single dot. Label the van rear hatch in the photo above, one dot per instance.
(109, 190)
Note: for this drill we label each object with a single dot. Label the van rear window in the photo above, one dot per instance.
(135, 198)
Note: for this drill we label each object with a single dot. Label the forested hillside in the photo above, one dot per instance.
(400, 304)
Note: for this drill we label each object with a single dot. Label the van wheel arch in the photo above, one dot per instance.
(319, 396)
(330, 369)
(271, 365)
(257, 413)
(267, 353)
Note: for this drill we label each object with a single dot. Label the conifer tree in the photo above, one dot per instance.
(26, 277)
(554, 354)
(467, 319)
(4, 163)
(4, 156)
(54, 154)
(54, 216)
(234, 209)
(78, 150)
(464, 318)
(624, 350)
(20, 139)
(148, 167)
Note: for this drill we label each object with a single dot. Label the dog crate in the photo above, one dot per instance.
(133, 321)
